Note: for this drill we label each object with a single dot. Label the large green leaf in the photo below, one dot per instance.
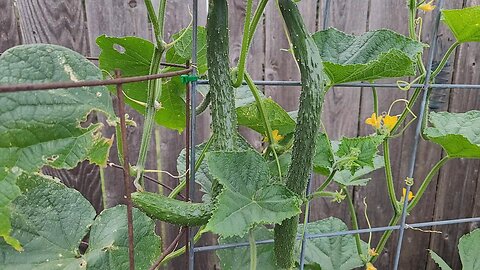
(279, 119)
(43, 127)
(332, 253)
(439, 261)
(457, 133)
(133, 56)
(51, 220)
(248, 197)
(468, 247)
(464, 23)
(371, 56)
(239, 258)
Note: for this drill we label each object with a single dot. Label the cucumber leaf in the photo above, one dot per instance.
(468, 247)
(248, 197)
(439, 261)
(356, 153)
(43, 127)
(457, 133)
(464, 23)
(239, 258)
(323, 158)
(279, 119)
(346, 178)
(182, 49)
(371, 56)
(51, 220)
(332, 253)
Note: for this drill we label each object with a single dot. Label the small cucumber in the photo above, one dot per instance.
(172, 211)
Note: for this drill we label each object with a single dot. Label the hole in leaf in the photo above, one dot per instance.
(119, 48)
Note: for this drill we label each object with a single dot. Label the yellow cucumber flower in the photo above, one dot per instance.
(410, 194)
(427, 7)
(275, 135)
(390, 121)
(374, 121)
(370, 266)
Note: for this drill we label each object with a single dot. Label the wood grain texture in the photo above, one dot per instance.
(341, 102)
(458, 183)
(9, 28)
(54, 22)
(428, 153)
(389, 14)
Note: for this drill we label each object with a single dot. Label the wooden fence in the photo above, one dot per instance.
(76, 24)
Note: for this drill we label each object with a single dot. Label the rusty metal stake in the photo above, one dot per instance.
(126, 170)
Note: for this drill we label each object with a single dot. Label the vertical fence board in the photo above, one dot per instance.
(458, 182)
(117, 18)
(428, 153)
(390, 14)
(9, 29)
(341, 102)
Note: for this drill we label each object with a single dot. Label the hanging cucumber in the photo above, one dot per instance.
(224, 117)
(224, 124)
(172, 211)
(314, 81)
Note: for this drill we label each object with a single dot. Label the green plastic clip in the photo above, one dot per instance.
(188, 78)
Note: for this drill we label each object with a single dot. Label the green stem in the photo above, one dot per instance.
(383, 240)
(158, 155)
(155, 22)
(325, 184)
(245, 45)
(263, 115)
(181, 250)
(389, 176)
(416, 199)
(256, 19)
(444, 60)
(375, 100)
(153, 92)
(253, 249)
(353, 216)
(198, 163)
(161, 17)
(426, 182)
(103, 187)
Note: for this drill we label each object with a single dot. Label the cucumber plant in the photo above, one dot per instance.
(246, 190)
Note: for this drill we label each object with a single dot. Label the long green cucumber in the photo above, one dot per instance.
(314, 81)
(224, 117)
(224, 124)
(172, 211)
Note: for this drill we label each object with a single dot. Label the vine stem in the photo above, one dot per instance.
(181, 250)
(157, 25)
(353, 216)
(253, 249)
(389, 176)
(263, 114)
(443, 62)
(319, 191)
(426, 182)
(416, 199)
(245, 45)
(375, 100)
(176, 191)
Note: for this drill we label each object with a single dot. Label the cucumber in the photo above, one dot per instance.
(314, 81)
(172, 211)
(224, 117)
